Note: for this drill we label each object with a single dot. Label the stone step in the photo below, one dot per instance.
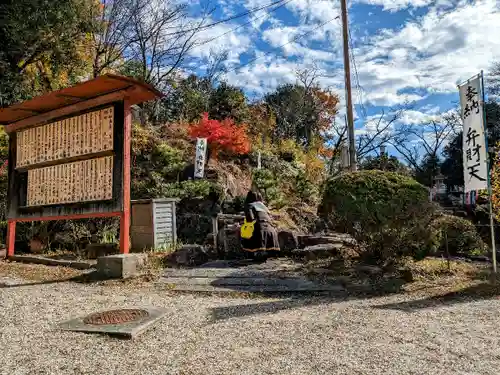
(257, 289)
(217, 273)
(308, 240)
(318, 250)
(227, 281)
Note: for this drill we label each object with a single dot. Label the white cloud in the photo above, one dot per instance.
(265, 75)
(395, 5)
(221, 38)
(432, 53)
(416, 117)
(280, 35)
(426, 55)
(307, 10)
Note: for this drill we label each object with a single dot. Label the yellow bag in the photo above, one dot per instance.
(247, 229)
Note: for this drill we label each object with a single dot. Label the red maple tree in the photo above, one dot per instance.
(222, 135)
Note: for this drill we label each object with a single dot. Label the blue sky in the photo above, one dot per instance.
(406, 51)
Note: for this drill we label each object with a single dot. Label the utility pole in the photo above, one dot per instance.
(347, 69)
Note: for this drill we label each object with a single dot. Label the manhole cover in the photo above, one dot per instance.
(127, 322)
(115, 317)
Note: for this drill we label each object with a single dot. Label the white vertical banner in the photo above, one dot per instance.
(201, 154)
(259, 160)
(474, 141)
(344, 156)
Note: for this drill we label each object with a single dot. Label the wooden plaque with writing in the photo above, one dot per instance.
(70, 182)
(69, 166)
(89, 133)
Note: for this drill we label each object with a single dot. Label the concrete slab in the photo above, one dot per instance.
(219, 273)
(226, 264)
(222, 276)
(228, 281)
(137, 320)
(257, 289)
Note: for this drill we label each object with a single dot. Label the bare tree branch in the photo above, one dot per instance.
(380, 131)
(416, 141)
(215, 65)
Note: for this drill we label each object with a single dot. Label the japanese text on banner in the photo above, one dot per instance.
(201, 152)
(474, 143)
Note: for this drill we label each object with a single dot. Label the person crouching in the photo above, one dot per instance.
(264, 238)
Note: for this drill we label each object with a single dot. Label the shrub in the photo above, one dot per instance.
(188, 189)
(170, 160)
(235, 205)
(460, 234)
(305, 189)
(387, 212)
(268, 185)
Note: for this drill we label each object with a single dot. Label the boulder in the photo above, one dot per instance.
(307, 240)
(318, 251)
(370, 270)
(190, 255)
(288, 241)
(36, 246)
(406, 275)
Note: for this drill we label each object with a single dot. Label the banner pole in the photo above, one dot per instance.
(490, 193)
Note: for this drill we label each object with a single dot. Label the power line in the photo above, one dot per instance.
(352, 58)
(359, 88)
(294, 39)
(239, 15)
(356, 76)
(244, 24)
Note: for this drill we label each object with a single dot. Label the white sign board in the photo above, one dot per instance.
(474, 141)
(201, 154)
(344, 156)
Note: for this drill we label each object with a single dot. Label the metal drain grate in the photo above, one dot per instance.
(115, 317)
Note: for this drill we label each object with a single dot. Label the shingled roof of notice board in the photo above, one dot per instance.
(136, 91)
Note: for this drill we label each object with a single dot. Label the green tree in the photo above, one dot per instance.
(428, 169)
(452, 166)
(384, 162)
(43, 43)
(186, 100)
(302, 112)
(228, 101)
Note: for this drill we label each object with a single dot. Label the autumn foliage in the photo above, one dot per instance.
(222, 135)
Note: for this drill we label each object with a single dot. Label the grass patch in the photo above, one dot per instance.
(37, 272)
(436, 268)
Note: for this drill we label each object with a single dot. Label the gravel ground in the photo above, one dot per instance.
(222, 335)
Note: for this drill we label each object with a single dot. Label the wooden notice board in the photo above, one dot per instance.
(68, 166)
(69, 153)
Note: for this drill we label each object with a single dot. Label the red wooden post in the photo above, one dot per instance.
(11, 237)
(125, 217)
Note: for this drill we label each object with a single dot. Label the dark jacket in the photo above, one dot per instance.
(257, 211)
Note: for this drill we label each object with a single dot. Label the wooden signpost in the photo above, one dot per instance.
(69, 154)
